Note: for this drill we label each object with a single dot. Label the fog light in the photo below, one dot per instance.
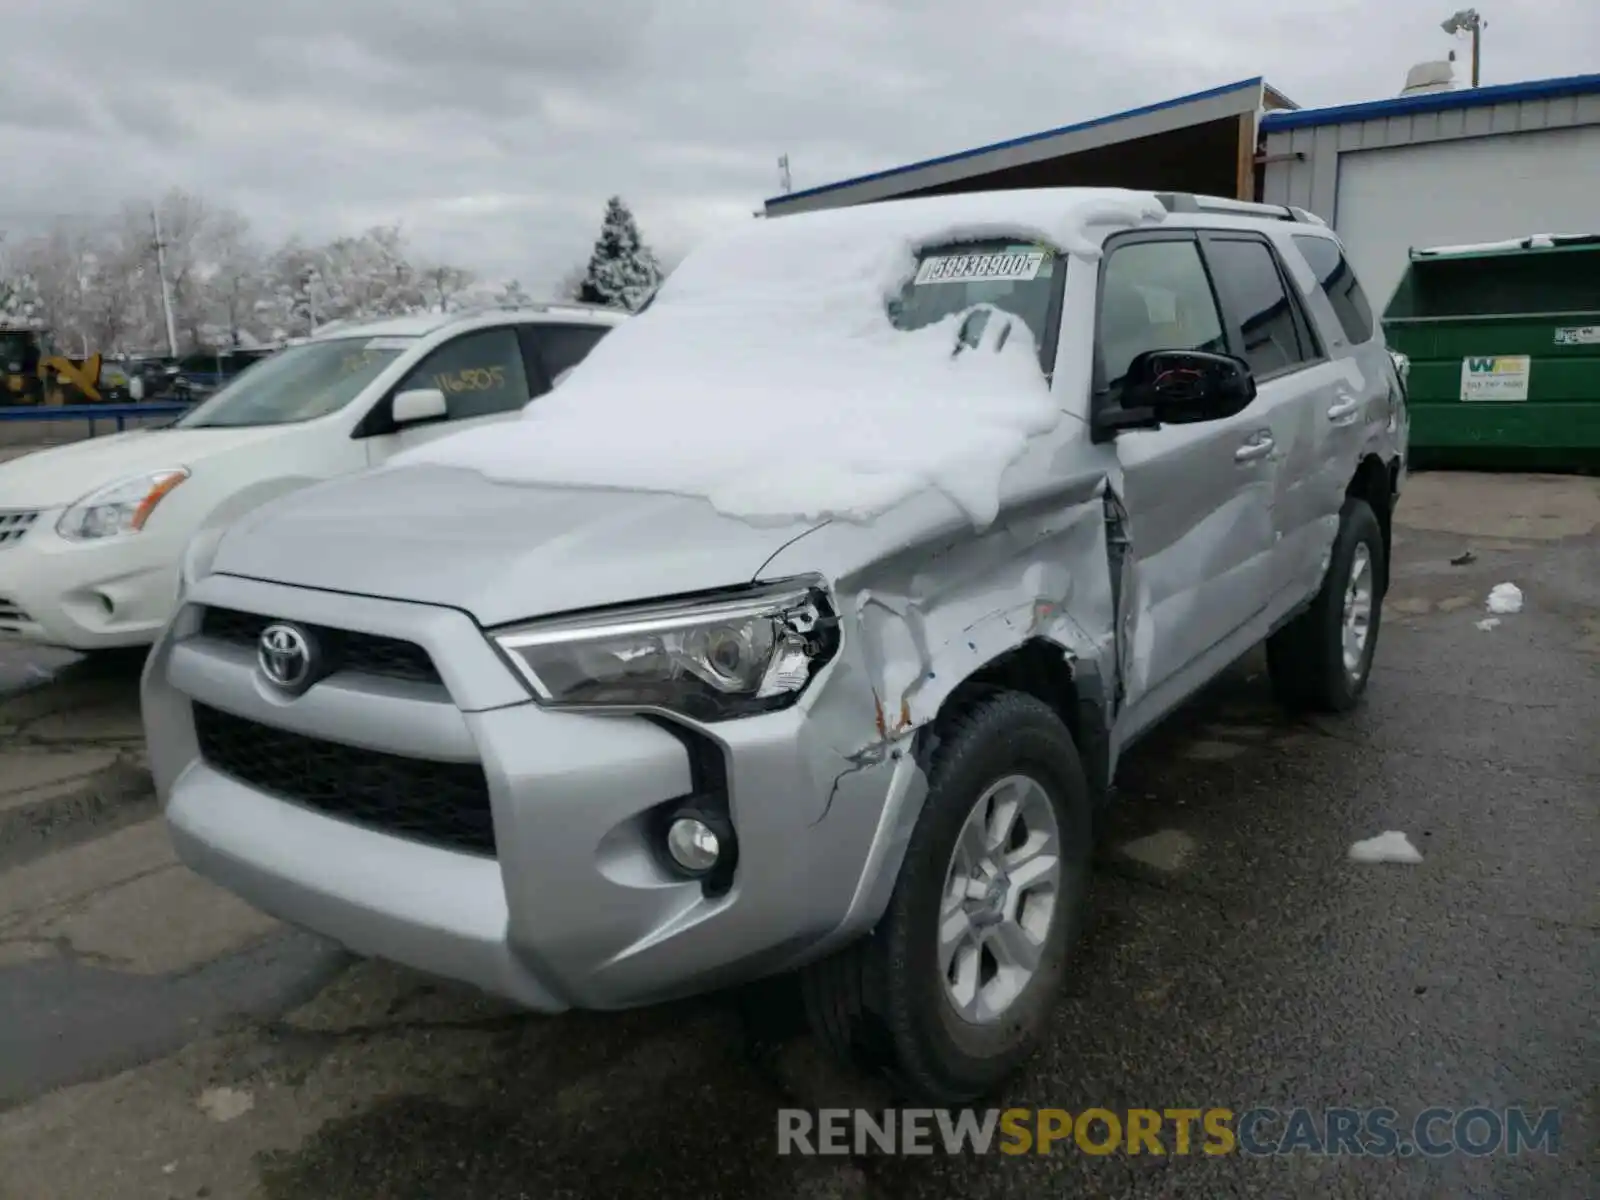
(693, 844)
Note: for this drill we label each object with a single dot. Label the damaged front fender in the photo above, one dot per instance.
(1048, 577)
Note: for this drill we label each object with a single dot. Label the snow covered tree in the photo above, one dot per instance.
(513, 295)
(93, 285)
(445, 287)
(19, 299)
(622, 271)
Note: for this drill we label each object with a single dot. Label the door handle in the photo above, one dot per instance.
(1257, 447)
(1344, 408)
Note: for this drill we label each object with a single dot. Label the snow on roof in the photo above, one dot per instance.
(1534, 241)
(767, 379)
(422, 324)
(415, 325)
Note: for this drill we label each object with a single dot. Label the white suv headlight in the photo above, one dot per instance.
(119, 508)
(745, 652)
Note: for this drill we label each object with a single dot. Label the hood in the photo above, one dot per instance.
(502, 552)
(61, 474)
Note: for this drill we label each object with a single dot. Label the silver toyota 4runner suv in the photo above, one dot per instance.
(597, 747)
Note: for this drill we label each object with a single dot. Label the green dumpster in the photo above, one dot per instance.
(1504, 344)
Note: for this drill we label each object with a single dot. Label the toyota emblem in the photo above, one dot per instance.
(285, 656)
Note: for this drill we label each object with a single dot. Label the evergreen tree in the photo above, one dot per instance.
(622, 271)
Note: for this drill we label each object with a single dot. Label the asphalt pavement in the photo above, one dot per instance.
(158, 1039)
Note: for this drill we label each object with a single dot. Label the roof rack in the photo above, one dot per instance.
(538, 306)
(1188, 202)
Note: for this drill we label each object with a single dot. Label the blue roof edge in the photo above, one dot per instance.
(1396, 106)
(1143, 110)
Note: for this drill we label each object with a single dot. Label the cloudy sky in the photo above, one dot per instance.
(493, 130)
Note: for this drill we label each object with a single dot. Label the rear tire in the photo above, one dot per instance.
(947, 1023)
(1322, 659)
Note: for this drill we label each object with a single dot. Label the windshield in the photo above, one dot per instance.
(1016, 277)
(299, 383)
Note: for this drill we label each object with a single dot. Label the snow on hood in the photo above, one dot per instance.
(766, 376)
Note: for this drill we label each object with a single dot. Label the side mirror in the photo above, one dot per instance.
(1179, 387)
(419, 404)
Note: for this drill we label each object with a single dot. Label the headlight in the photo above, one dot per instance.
(747, 652)
(119, 508)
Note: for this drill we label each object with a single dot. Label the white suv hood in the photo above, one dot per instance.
(59, 475)
(502, 552)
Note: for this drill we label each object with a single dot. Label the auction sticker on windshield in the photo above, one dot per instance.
(1006, 266)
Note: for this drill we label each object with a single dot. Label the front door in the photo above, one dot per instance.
(1198, 496)
(483, 378)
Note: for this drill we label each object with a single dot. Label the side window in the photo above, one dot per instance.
(1247, 276)
(562, 347)
(479, 373)
(1155, 296)
(1333, 273)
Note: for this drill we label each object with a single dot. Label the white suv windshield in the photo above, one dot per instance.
(299, 383)
(1019, 278)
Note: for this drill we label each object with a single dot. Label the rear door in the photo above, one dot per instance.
(1198, 496)
(552, 351)
(1356, 413)
(1296, 384)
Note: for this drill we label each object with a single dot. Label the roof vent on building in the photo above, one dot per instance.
(1429, 77)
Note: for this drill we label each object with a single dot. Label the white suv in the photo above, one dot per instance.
(804, 628)
(91, 533)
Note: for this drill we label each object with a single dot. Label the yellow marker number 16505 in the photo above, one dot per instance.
(472, 379)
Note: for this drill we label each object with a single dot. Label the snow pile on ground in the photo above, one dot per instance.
(1391, 846)
(1505, 598)
(1488, 623)
(767, 378)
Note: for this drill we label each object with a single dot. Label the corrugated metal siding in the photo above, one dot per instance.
(1313, 182)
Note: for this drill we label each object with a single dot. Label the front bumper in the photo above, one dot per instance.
(87, 595)
(574, 909)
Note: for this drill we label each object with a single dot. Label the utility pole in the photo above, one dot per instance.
(166, 292)
(1469, 21)
(785, 180)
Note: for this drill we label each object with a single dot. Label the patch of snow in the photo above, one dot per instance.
(767, 379)
(1538, 241)
(1391, 846)
(226, 1103)
(1505, 598)
(1488, 623)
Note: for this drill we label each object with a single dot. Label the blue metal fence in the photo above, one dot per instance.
(120, 413)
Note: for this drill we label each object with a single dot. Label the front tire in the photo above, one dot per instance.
(954, 988)
(1321, 660)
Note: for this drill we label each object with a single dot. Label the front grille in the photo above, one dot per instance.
(14, 525)
(366, 653)
(443, 804)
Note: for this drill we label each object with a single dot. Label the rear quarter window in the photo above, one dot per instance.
(1338, 282)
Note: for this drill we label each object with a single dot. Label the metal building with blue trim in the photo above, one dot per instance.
(1473, 165)
(1465, 165)
(1204, 142)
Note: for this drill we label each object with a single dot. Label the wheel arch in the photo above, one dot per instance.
(1374, 481)
(1070, 685)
